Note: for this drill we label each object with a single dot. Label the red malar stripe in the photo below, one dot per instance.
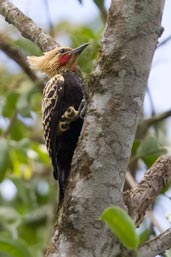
(64, 59)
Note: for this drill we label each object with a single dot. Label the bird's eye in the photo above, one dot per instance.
(62, 50)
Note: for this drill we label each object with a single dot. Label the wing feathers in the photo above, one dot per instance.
(51, 108)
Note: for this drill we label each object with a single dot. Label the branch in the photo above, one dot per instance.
(132, 183)
(11, 123)
(166, 40)
(141, 197)
(13, 52)
(144, 125)
(99, 165)
(118, 86)
(102, 9)
(153, 112)
(26, 26)
(142, 131)
(50, 24)
(157, 245)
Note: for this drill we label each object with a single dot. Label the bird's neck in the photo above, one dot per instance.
(75, 69)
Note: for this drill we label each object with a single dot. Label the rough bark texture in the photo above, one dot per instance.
(156, 246)
(99, 166)
(100, 162)
(141, 197)
(14, 53)
(26, 26)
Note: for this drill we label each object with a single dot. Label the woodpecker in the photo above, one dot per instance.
(63, 107)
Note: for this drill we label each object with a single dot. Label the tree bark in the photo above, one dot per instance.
(14, 53)
(157, 245)
(118, 86)
(26, 26)
(142, 196)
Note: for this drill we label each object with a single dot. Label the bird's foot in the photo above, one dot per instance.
(82, 108)
(67, 118)
(71, 115)
(63, 126)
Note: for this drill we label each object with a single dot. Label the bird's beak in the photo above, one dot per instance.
(79, 49)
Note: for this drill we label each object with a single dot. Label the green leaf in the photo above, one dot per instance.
(37, 216)
(18, 130)
(13, 248)
(166, 188)
(99, 3)
(145, 235)
(149, 150)
(29, 47)
(135, 146)
(23, 105)
(42, 155)
(8, 215)
(4, 158)
(150, 146)
(10, 104)
(21, 145)
(9, 220)
(86, 34)
(26, 194)
(18, 154)
(122, 225)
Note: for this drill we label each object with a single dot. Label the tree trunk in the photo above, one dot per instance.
(117, 89)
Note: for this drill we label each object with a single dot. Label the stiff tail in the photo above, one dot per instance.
(61, 175)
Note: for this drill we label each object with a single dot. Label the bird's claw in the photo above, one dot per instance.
(70, 115)
(82, 108)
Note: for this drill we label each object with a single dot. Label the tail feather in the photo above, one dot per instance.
(62, 176)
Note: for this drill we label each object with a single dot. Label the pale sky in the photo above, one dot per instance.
(71, 10)
(160, 76)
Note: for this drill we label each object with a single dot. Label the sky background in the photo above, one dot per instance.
(76, 13)
(160, 76)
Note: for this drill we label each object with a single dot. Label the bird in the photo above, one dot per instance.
(63, 107)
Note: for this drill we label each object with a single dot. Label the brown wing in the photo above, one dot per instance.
(51, 113)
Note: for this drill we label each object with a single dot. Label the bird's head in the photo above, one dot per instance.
(56, 60)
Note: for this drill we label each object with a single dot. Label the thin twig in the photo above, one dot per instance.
(102, 9)
(13, 52)
(140, 198)
(145, 124)
(26, 26)
(50, 24)
(157, 245)
(131, 181)
(151, 101)
(164, 41)
(11, 123)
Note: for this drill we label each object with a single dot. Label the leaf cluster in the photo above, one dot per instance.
(26, 214)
